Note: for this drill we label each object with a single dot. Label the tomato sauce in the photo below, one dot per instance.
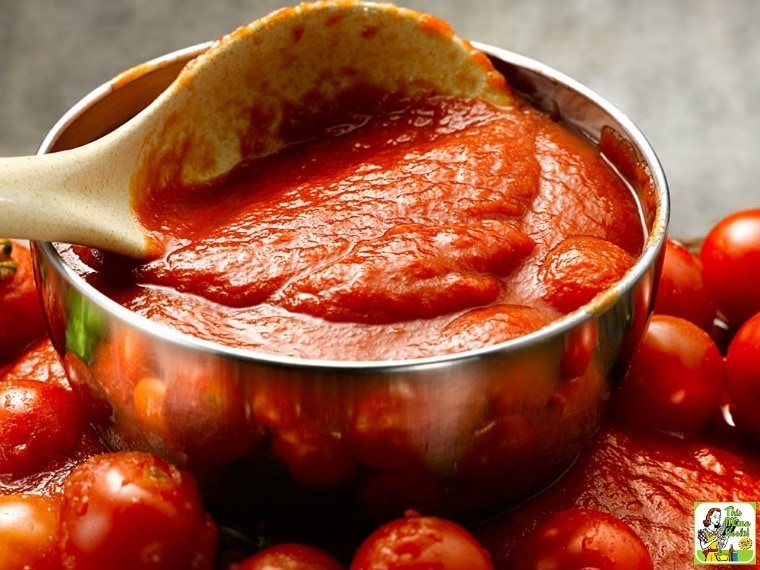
(413, 232)
(647, 479)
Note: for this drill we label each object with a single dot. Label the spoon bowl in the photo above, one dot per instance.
(240, 99)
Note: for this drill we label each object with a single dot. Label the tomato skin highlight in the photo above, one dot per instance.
(29, 532)
(731, 258)
(675, 380)
(583, 538)
(419, 542)
(743, 375)
(681, 290)
(39, 422)
(134, 511)
(289, 556)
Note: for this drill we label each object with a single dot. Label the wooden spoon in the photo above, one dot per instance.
(240, 99)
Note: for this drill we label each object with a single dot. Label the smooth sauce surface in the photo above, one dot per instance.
(418, 232)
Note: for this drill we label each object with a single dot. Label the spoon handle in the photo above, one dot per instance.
(67, 197)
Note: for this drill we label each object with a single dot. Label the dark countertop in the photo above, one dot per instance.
(687, 72)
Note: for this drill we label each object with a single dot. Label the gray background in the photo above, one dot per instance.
(687, 72)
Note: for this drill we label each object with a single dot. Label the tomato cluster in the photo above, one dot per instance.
(66, 502)
(700, 356)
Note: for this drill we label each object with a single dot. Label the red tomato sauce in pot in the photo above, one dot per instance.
(440, 226)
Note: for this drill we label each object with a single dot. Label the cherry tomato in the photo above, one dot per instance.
(676, 378)
(731, 258)
(579, 268)
(275, 404)
(498, 451)
(583, 538)
(416, 541)
(580, 345)
(290, 556)
(120, 360)
(21, 318)
(29, 532)
(381, 429)
(314, 457)
(205, 409)
(681, 290)
(39, 362)
(38, 423)
(743, 374)
(132, 510)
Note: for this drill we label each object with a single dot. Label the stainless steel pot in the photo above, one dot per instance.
(459, 435)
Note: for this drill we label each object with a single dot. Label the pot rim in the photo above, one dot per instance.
(647, 259)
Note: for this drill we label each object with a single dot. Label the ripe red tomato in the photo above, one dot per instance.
(39, 362)
(315, 458)
(290, 556)
(676, 378)
(496, 452)
(731, 258)
(21, 318)
(38, 423)
(583, 538)
(416, 541)
(132, 510)
(29, 532)
(276, 404)
(743, 374)
(204, 407)
(382, 429)
(681, 290)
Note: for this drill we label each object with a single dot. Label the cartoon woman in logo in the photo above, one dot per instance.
(713, 537)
